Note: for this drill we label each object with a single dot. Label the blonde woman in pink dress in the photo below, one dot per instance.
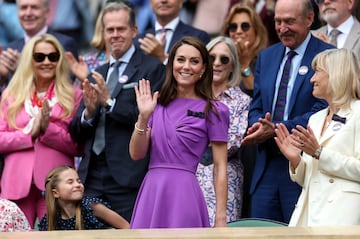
(35, 111)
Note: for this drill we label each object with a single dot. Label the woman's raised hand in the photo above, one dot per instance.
(146, 101)
(287, 145)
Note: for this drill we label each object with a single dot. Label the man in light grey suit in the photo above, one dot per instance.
(337, 15)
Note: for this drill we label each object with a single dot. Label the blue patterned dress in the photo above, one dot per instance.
(89, 220)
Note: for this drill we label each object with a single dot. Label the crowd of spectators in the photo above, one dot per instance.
(87, 84)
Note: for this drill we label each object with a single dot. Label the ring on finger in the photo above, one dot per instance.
(302, 144)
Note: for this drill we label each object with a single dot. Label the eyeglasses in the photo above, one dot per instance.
(245, 26)
(40, 57)
(318, 2)
(223, 59)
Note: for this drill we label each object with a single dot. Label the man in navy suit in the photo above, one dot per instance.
(32, 15)
(168, 29)
(108, 172)
(273, 193)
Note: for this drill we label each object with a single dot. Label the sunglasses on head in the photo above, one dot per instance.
(40, 57)
(223, 59)
(245, 26)
(318, 2)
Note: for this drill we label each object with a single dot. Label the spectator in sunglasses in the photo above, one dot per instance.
(33, 15)
(342, 28)
(225, 86)
(35, 111)
(245, 27)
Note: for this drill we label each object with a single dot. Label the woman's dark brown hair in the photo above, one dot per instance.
(203, 87)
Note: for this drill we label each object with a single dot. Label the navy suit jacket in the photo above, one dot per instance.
(302, 103)
(181, 30)
(119, 124)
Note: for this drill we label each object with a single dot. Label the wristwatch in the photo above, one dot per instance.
(317, 153)
(109, 104)
(246, 72)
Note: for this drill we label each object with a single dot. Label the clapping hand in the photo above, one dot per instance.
(8, 61)
(291, 145)
(304, 139)
(260, 131)
(41, 120)
(45, 116)
(90, 99)
(146, 101)
(287, 144)
(245, 51)
(322, 36)
(151, 46)
(78, 68)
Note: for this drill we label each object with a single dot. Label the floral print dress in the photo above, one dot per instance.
(12, 219)
(238, 103)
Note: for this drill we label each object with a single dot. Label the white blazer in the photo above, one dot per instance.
(331, 185)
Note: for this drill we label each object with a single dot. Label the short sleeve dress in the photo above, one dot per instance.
(89, 220)
(170, 195)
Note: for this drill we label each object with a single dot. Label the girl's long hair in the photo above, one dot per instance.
(52, 205)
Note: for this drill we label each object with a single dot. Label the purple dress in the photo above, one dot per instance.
(170, 195)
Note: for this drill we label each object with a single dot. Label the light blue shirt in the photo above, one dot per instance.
(295, 66)
(125, 59)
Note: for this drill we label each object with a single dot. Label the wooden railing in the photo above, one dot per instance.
(192, 233)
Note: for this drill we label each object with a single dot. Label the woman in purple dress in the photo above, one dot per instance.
(177, 125)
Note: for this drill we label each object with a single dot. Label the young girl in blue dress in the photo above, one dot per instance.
(69, 209)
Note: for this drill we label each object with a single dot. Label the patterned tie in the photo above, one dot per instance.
(162, 38)
(281, 97)
(99, 141)
(333, 36)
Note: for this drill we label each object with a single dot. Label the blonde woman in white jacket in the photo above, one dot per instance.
(325, 157)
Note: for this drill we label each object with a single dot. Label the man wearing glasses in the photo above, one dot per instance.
(342, 29)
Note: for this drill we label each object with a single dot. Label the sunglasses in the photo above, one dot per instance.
(245, 26)
(318, 2)
(223, 59)
(40, 57)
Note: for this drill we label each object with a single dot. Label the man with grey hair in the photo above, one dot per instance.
(342, 28)
(32, 15)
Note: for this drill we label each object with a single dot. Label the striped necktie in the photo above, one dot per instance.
(279, 109)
